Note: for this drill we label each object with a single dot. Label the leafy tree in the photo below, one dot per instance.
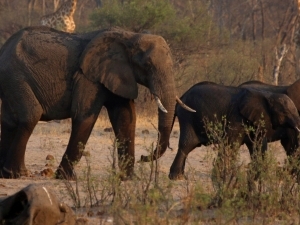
(136, 15)
(189, 26)
(192, 28)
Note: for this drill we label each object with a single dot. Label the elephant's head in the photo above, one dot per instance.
(275, 109)
(120, 60)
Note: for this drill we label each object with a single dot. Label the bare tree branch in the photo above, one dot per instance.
(278, 56)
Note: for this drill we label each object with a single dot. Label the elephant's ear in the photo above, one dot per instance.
(293, 92)
(254, 106)
(105, 59)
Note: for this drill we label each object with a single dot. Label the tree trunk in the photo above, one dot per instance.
(253, 17)
(8, 6)
(297, 43)
(262, 12)
(285, 30)
(99, 3)
(30, 7)
(81, 8)
(44, 7)
(263, 51)
(279, 56)
(55, 3)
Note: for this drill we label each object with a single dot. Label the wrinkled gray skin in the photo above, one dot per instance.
(35, 205)
(287, 136)
(46, 74)
(241, 107)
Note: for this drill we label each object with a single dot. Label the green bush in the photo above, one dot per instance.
(136, 15)
(161, 17)
(193, 30)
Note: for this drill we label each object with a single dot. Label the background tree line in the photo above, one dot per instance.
(225, 41)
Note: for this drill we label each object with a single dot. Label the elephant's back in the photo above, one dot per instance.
(43, 60)
(210, 100)
(257, 85)
(40, 49)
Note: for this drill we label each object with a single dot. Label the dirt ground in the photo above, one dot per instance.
(51, 139)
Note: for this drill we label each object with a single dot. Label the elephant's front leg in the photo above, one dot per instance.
(188, 141)
(290, 142)
(178, 165)
(81, 130)
(87, 102)
(123, 119)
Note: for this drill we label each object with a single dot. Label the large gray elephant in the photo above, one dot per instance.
(46, 74)
(241, 107)
(287, 136)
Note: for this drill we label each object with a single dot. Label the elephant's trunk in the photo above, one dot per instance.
(166, 94)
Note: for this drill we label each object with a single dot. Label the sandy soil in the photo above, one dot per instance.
(52, 138)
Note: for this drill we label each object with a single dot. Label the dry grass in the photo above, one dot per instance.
(147, 199)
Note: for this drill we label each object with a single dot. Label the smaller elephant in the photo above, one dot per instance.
(241, 107)
(287, 136)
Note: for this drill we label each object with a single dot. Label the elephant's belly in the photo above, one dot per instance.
(57, 116)
(56, 104)
(203, 139)
(58, 111)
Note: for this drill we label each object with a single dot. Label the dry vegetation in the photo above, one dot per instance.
(215, 192)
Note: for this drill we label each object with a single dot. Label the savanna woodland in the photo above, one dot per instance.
(224, 41)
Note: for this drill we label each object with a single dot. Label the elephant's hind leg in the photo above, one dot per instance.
(8, 131)
(15, 132)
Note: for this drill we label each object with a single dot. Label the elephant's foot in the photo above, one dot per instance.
(128, 176)
(124, 177)
(177, 176)
(126, 169)
(296, 173)
(65, 170)
(10, 174)
(64, 174)
(147, 158)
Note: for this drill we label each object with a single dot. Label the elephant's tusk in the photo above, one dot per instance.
(184, 105)
(298, 129)
(160, 105)
(48, 195)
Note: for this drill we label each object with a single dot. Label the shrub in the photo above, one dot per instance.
(136, 15)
